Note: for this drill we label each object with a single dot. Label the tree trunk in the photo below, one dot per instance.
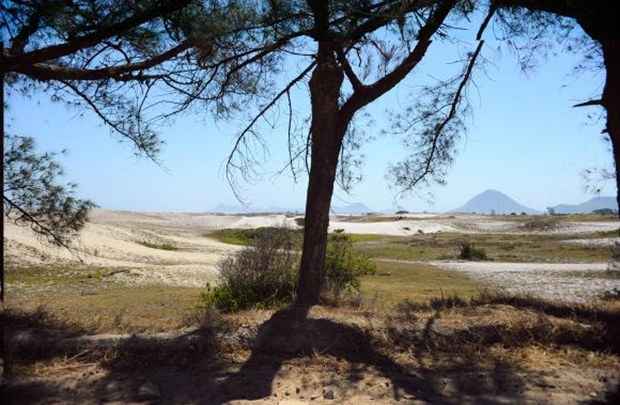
(327, 129)
(611, 101)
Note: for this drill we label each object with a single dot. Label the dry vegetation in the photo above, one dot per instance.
(488, 348)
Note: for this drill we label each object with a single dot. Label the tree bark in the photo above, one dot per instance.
(328, 128)
(611, 101)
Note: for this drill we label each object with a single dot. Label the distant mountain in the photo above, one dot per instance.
(592, 204)
(353, 208)
(493, 202)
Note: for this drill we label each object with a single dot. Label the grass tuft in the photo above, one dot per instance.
(160, 246)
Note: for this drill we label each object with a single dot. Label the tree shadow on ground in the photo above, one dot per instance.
(291, 334)
(426, 362)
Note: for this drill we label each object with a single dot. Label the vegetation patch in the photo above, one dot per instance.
(261, 275)
(394, 282)
(245, 237)
(159, 245)
(541, 224)
(470, 252)
(499, 247)
(264, 273)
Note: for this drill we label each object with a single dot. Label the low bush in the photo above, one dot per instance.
(245, 237)
(470, 252)
(344, 266)
(264, 273)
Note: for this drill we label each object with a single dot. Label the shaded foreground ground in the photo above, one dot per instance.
(494, 349)
(77, 335)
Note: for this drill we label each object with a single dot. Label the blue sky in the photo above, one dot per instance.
(524, 139)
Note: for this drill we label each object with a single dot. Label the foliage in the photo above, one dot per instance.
(344, 266)
(245, 237)
(103, 56)
(262, 274)
(34, 195)
(470, 252)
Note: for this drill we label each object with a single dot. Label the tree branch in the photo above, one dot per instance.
(367, 94)
(41, 71)
(10, 62)
(115, 126)
(348, 70)
(590, 103)
(46, 231)
(229, 160)
(29, 28)
(486, 21)
(453, 108)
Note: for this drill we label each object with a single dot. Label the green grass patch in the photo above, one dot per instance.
(368, 237)
(244, 237)
(394, 282)
(498, 247)
(160, 246)
(87, 298)
(37, 276)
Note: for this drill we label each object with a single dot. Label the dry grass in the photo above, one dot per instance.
(522, 330)
(451, 347)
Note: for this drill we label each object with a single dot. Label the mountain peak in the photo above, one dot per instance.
(493, 202)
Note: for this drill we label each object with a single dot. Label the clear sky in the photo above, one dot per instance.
(524, 139)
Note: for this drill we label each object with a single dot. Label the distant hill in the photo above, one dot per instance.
(592, 204)
(493, 201)
(353, 208)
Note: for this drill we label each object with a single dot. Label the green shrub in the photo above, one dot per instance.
(245, 237)
(263, 274)
(470, 252)
(344, 266)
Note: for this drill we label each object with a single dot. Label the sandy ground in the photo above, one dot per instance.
(576, 282)
(116, 239)
(410, 224)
